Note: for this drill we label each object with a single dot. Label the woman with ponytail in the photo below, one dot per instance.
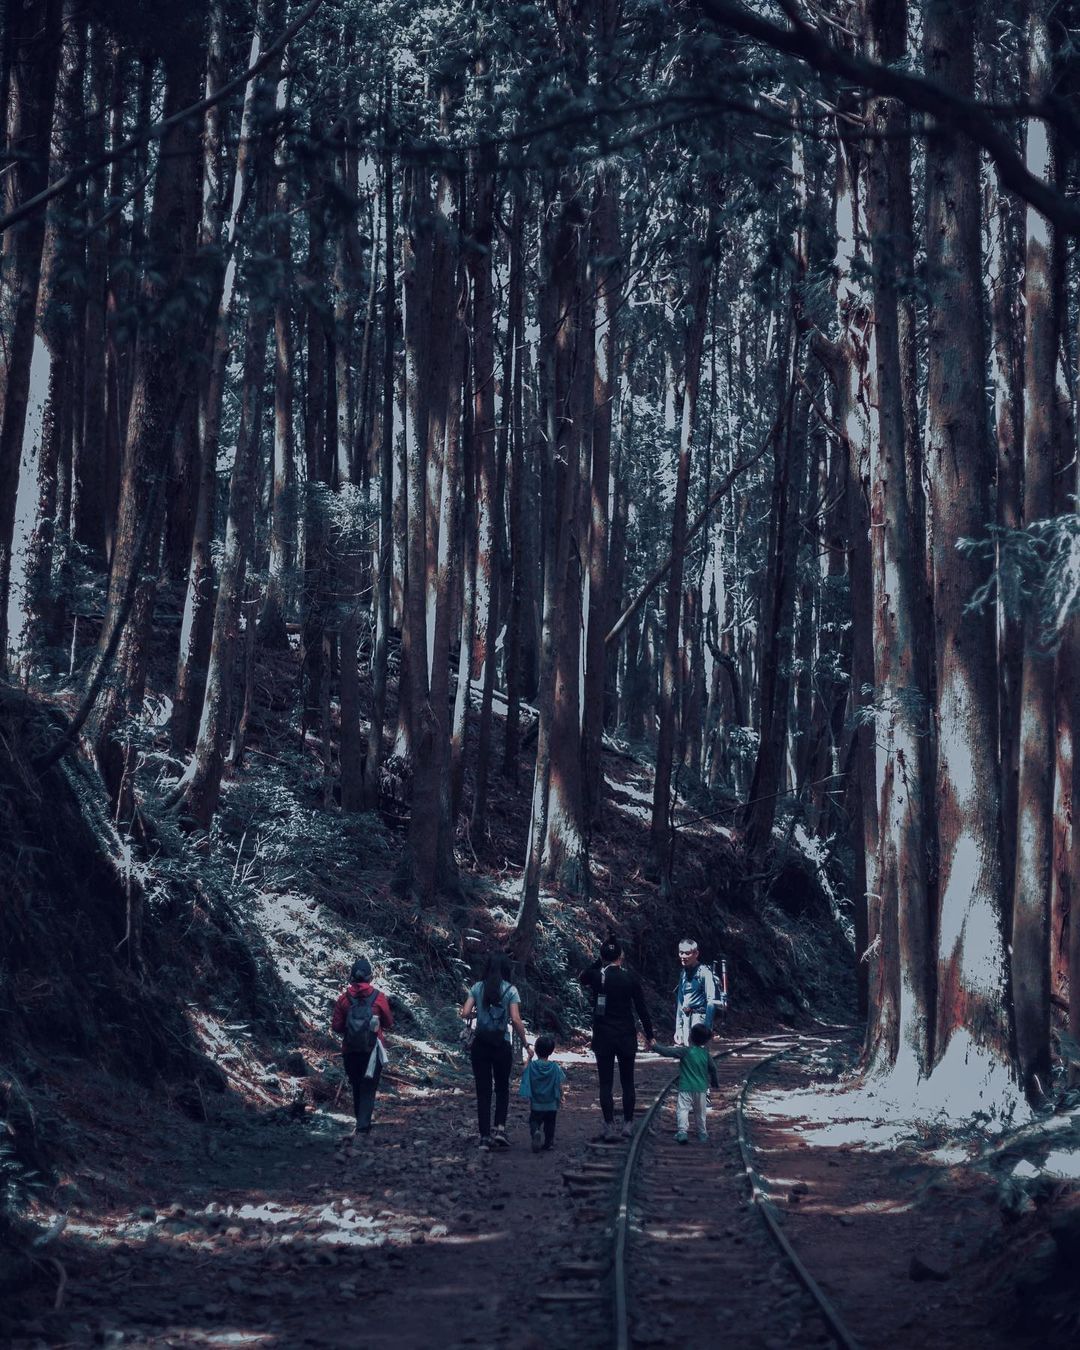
(497, 1006)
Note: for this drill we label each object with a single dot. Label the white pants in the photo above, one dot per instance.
(683, 1022)
(685, 1102)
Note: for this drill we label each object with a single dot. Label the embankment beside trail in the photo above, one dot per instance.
(198, 973)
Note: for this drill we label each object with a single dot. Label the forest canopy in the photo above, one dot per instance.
(693, 379)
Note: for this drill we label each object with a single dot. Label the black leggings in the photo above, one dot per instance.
(363, 1089)
(607, 1052)
(491, 1067)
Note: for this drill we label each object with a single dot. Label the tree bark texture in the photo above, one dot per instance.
(163, 342)
(697, 312)
(33, 36)
(971, 1014)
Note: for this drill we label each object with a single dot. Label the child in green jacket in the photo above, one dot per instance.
(696, 1072)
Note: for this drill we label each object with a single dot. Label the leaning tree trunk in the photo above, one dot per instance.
(972, 1033)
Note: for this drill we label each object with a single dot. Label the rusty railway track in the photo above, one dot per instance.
(660, 1176)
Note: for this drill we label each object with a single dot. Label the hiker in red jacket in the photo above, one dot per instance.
(361, 1016)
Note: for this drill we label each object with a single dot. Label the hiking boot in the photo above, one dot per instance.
(498, 1137)
(538, 1139)
(681, 1137)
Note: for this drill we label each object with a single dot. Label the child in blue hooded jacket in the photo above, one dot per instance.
(541, 1086)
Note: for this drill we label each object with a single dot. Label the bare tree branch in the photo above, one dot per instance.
(156, 130)
(953, 111)
(661, 572)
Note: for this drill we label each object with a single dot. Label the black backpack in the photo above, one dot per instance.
(360, 1038)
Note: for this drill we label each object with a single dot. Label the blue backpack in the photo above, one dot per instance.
(492, 1019)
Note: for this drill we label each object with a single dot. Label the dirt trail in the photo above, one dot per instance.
(257, 1231)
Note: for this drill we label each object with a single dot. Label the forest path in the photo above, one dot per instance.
(261, 1230)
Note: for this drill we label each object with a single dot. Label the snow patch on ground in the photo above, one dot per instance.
(1063, 1165)
(965, 1092)
(227, 1045)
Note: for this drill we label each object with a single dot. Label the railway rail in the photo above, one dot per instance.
(669, 1250)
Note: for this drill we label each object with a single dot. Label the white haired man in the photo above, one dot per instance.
(697, 995)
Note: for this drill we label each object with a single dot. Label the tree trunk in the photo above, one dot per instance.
(697, 315)
(1035, 791)
(202, 781)
(420, 861)
(898, 594)
(284, 517)
(620, 520)
(384, 571)
(487, 571)
(1005, 266)
(778, 610)
(34, 41)
(565, 860)
(217, 241)
(316, 525)
(971, 1042)
(462, 696)
(161, 349)
(89, 505)
(557, 285)
(607, 282)
(48, 425)
(852, 375)
(515, 338)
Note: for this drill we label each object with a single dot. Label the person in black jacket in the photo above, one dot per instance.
(617, 995)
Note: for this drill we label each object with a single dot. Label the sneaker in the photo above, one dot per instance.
(538, 1139)
(611, 1132)
(681, 1137)
(498, 1137)
(703, 1138)
(627, 1129)
(485, 1144)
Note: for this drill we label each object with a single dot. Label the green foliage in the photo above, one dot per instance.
(1037, 566)
(19, 1183)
